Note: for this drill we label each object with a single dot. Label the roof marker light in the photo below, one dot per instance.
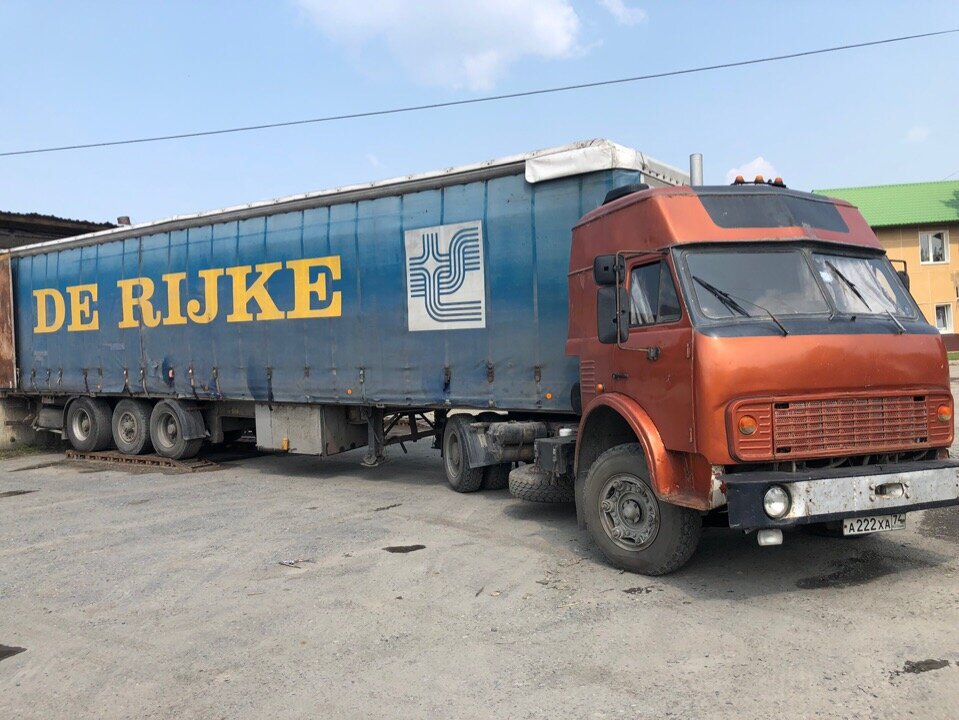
(759, 180)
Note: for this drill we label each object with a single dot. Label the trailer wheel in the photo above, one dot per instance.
(166, 433)
(131, 427)
(496, 477)
(632, 527)
(462, 478)
(88, 425)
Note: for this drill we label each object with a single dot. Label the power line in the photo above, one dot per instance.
(486, 99)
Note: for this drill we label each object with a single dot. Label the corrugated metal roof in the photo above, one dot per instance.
(905, 204)
(38, 220)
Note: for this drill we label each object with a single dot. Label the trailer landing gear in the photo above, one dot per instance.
(375, 442)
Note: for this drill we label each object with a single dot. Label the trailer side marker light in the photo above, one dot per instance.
(600, 387)
(748, 425)
(349, 391)
(549, 396)
(945, 413)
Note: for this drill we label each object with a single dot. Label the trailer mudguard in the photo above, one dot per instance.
(191, 419)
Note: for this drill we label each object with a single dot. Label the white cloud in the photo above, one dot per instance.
(623, 13)
(918, 134)
(372, 160)
(758, 166)
(466, 43)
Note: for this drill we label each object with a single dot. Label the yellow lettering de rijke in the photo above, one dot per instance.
(142, 303)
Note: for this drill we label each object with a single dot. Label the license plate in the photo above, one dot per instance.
(873, 523)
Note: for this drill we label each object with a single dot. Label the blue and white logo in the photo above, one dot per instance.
(445, 280)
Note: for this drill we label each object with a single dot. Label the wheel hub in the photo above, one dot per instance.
(629, 512)
(128, 427)
(82, 425)
(168, 431)
(454, 453)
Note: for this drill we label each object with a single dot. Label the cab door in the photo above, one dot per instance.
(654, 364)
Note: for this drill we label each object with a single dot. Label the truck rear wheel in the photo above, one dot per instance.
(166, 433)
(462, 478)
(88, 425)
(632, 527)
(131, 427)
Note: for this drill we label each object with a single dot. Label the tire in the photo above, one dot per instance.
(496, 477)
(131, 427)
(460, 476)
(166, 434)
(633, 529)
(529, 483)
(89, 427)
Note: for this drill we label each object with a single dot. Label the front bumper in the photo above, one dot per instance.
(836, 493)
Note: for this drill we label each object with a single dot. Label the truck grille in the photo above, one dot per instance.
(793, 428)
(815, 426)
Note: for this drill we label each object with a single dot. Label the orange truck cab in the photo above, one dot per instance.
(748, 356)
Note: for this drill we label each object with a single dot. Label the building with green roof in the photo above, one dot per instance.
(916, 223)
(906, 204)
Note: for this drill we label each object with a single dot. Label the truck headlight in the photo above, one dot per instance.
(776, 502)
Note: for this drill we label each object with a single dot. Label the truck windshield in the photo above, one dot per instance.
(754, 283)
(862, 286)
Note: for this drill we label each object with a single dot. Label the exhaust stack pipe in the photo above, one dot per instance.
(696, 169)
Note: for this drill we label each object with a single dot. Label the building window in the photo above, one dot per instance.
(934, 247)
(944, 318)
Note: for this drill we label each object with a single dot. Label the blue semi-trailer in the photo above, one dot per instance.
(315, 320)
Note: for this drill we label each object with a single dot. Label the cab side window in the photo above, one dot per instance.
(652, 295)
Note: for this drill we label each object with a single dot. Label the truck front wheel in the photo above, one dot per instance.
(632, 527)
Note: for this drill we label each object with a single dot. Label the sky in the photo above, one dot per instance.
(100, 71)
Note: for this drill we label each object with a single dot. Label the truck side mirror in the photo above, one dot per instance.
(902, 272)
(606, 268)
(612, 327)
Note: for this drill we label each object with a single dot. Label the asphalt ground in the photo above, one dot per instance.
(278, 586)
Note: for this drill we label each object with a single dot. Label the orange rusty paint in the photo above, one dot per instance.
(7, 358)
(665, 217)
(810, 366)
(678, 404)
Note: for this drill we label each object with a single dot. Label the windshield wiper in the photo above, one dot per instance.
(852, 287)
(902, 328)
(730, 302)
(849, 283)
(724, 297)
